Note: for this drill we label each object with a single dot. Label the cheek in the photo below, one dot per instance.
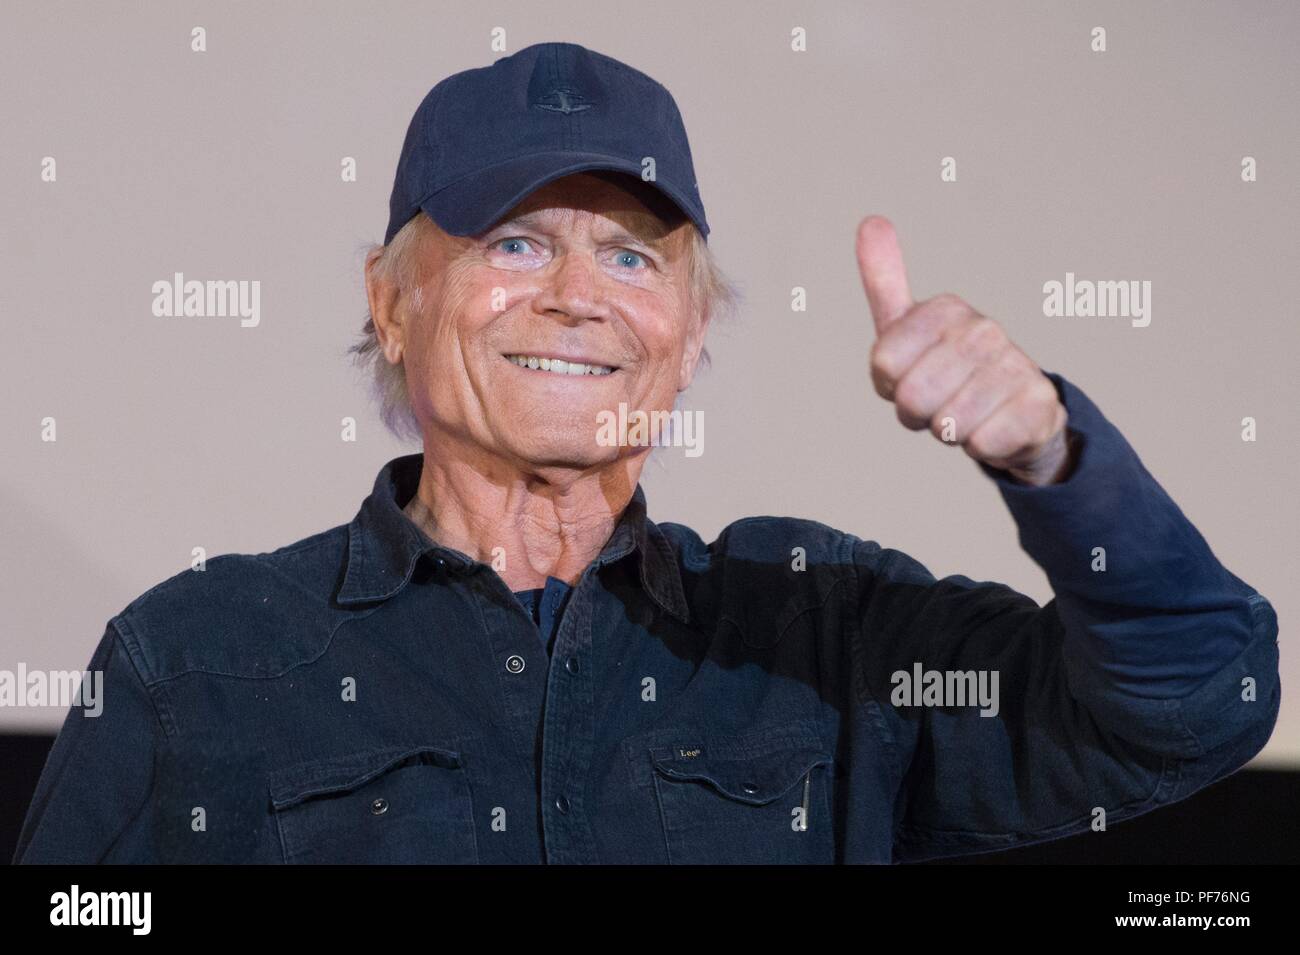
(661, 328)
(454, 321)
(665, 342)
(437, 354)
(428, 357)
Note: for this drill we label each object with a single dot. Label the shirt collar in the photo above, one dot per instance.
(384, 544)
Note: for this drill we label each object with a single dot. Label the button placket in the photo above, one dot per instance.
(567, 730)
(508, 644)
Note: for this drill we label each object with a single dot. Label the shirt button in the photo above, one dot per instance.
(379, 806)
(562, 803)
(571, 665)
(515, 664)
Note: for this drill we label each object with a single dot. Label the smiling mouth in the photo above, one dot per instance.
(558, 366)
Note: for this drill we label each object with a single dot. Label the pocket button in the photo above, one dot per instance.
(422, 793)
(764, 798)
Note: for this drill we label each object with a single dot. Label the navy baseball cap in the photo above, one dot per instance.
(485, 138)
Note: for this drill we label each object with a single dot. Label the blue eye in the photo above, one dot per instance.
(505, 244)
(625, 254)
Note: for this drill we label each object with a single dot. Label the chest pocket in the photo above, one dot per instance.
(761, 800)
(397, 805)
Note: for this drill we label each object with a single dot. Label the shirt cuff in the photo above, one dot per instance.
(1109, 508)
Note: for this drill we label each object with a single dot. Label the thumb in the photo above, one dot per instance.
(883, 274)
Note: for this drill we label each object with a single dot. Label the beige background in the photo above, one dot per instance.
(225, 165)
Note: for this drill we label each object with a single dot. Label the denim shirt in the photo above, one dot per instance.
(365, 695)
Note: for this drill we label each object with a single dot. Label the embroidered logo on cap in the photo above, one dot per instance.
(562, 99)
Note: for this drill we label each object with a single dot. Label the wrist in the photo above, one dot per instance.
(1054, 465)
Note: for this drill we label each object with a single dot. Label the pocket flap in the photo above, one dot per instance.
(343, 774)
(749, 774)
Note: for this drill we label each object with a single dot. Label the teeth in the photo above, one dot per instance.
(558, 367)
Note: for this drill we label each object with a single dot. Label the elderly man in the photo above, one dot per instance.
(502, 659)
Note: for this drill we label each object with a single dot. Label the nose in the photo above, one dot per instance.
(571, 289)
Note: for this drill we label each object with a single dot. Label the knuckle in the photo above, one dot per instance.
(1012, 363)
(963, 410)
(982, 339)
(908, 395)
(948, 300)
(1019, 434)
(981, 443)
(1044, 391)
(939, 426)
(883, 363)
(1027, 431)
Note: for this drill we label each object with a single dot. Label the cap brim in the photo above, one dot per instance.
(473, 204)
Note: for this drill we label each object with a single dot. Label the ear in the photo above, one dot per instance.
(694, 347)
(384, 313)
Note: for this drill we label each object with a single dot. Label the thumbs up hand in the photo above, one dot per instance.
(953, 371)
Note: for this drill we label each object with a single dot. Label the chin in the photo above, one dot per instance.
(557, 443)
(579, 456)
